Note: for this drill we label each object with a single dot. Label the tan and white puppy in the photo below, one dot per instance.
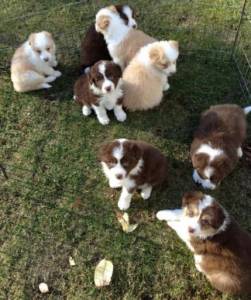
(132, 165)
(222, 250)
(33, 62)
(123, 41)
(146, 77)
(216, 147)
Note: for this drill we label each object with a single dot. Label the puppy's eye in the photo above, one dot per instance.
(111, 164)
(48, 49)
(38, 51)
(99, 77)
(205, 222)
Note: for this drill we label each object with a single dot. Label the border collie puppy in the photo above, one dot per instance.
(222, 250)
(123, 42)
(33, 62)
(93, 46)
(132, 165)
(146, 77)
(101, 89)
(216, 147)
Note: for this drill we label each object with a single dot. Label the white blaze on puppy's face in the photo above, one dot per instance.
(108, 85)
(43, 45)
(203, 173)
(129, 13)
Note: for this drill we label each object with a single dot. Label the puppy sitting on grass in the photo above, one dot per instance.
(132, 165)
(101, 89)
(146, 77)
(222, 250)
(32, 64)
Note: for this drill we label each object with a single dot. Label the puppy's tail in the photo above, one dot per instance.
(247, 109)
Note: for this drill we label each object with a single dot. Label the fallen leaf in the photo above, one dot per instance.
(124, 221)
(43, 288)
(72, 261)
(103, 273)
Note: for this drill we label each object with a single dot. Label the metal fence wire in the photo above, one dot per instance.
(217, 29)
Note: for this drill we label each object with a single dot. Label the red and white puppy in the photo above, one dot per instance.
(222, 250)
(132, 165)
(94, 47)
(101, 89)
(216, 147)
(123, 41)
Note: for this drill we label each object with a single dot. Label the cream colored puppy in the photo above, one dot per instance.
(33, 62)
(146, 77)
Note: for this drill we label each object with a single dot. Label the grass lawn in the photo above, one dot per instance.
(56, 202)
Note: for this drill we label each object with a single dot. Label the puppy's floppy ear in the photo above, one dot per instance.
(190, 197)
(103, 151)
(31, 38)
(199, 160)
(112, 8)
(174, 44)
(155, 54)
(135, 150)
(47, 34)
(102, 23)
(118, 70)
(214, 215)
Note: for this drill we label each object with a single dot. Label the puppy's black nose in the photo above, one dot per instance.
(108, 88)
(119, 176)
(191, 230)
(46, 59)
(134, 26)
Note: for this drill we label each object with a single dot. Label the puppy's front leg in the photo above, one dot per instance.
(167, 85)
(101, 114)
(49, 71)
(125, 199)
(170, 215)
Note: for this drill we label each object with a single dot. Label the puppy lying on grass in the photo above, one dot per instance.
(32, 66)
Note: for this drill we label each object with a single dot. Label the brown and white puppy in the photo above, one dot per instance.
(101, 89)
(222, 250)
(216, 147)
(132, 165)
(123, 42)
(94, 47)
(146, 77)
(33, 62)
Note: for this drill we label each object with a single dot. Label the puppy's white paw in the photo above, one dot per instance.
(45, 86)
(57, 73)
(50, 78)
(104, 120)
(146, 193)
(166, 87)
(164, 215)
(121, 116)
(239, 152)
(114, 184)
(123, 204)
(86, 110)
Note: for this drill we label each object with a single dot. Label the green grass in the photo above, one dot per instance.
(57, 203)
